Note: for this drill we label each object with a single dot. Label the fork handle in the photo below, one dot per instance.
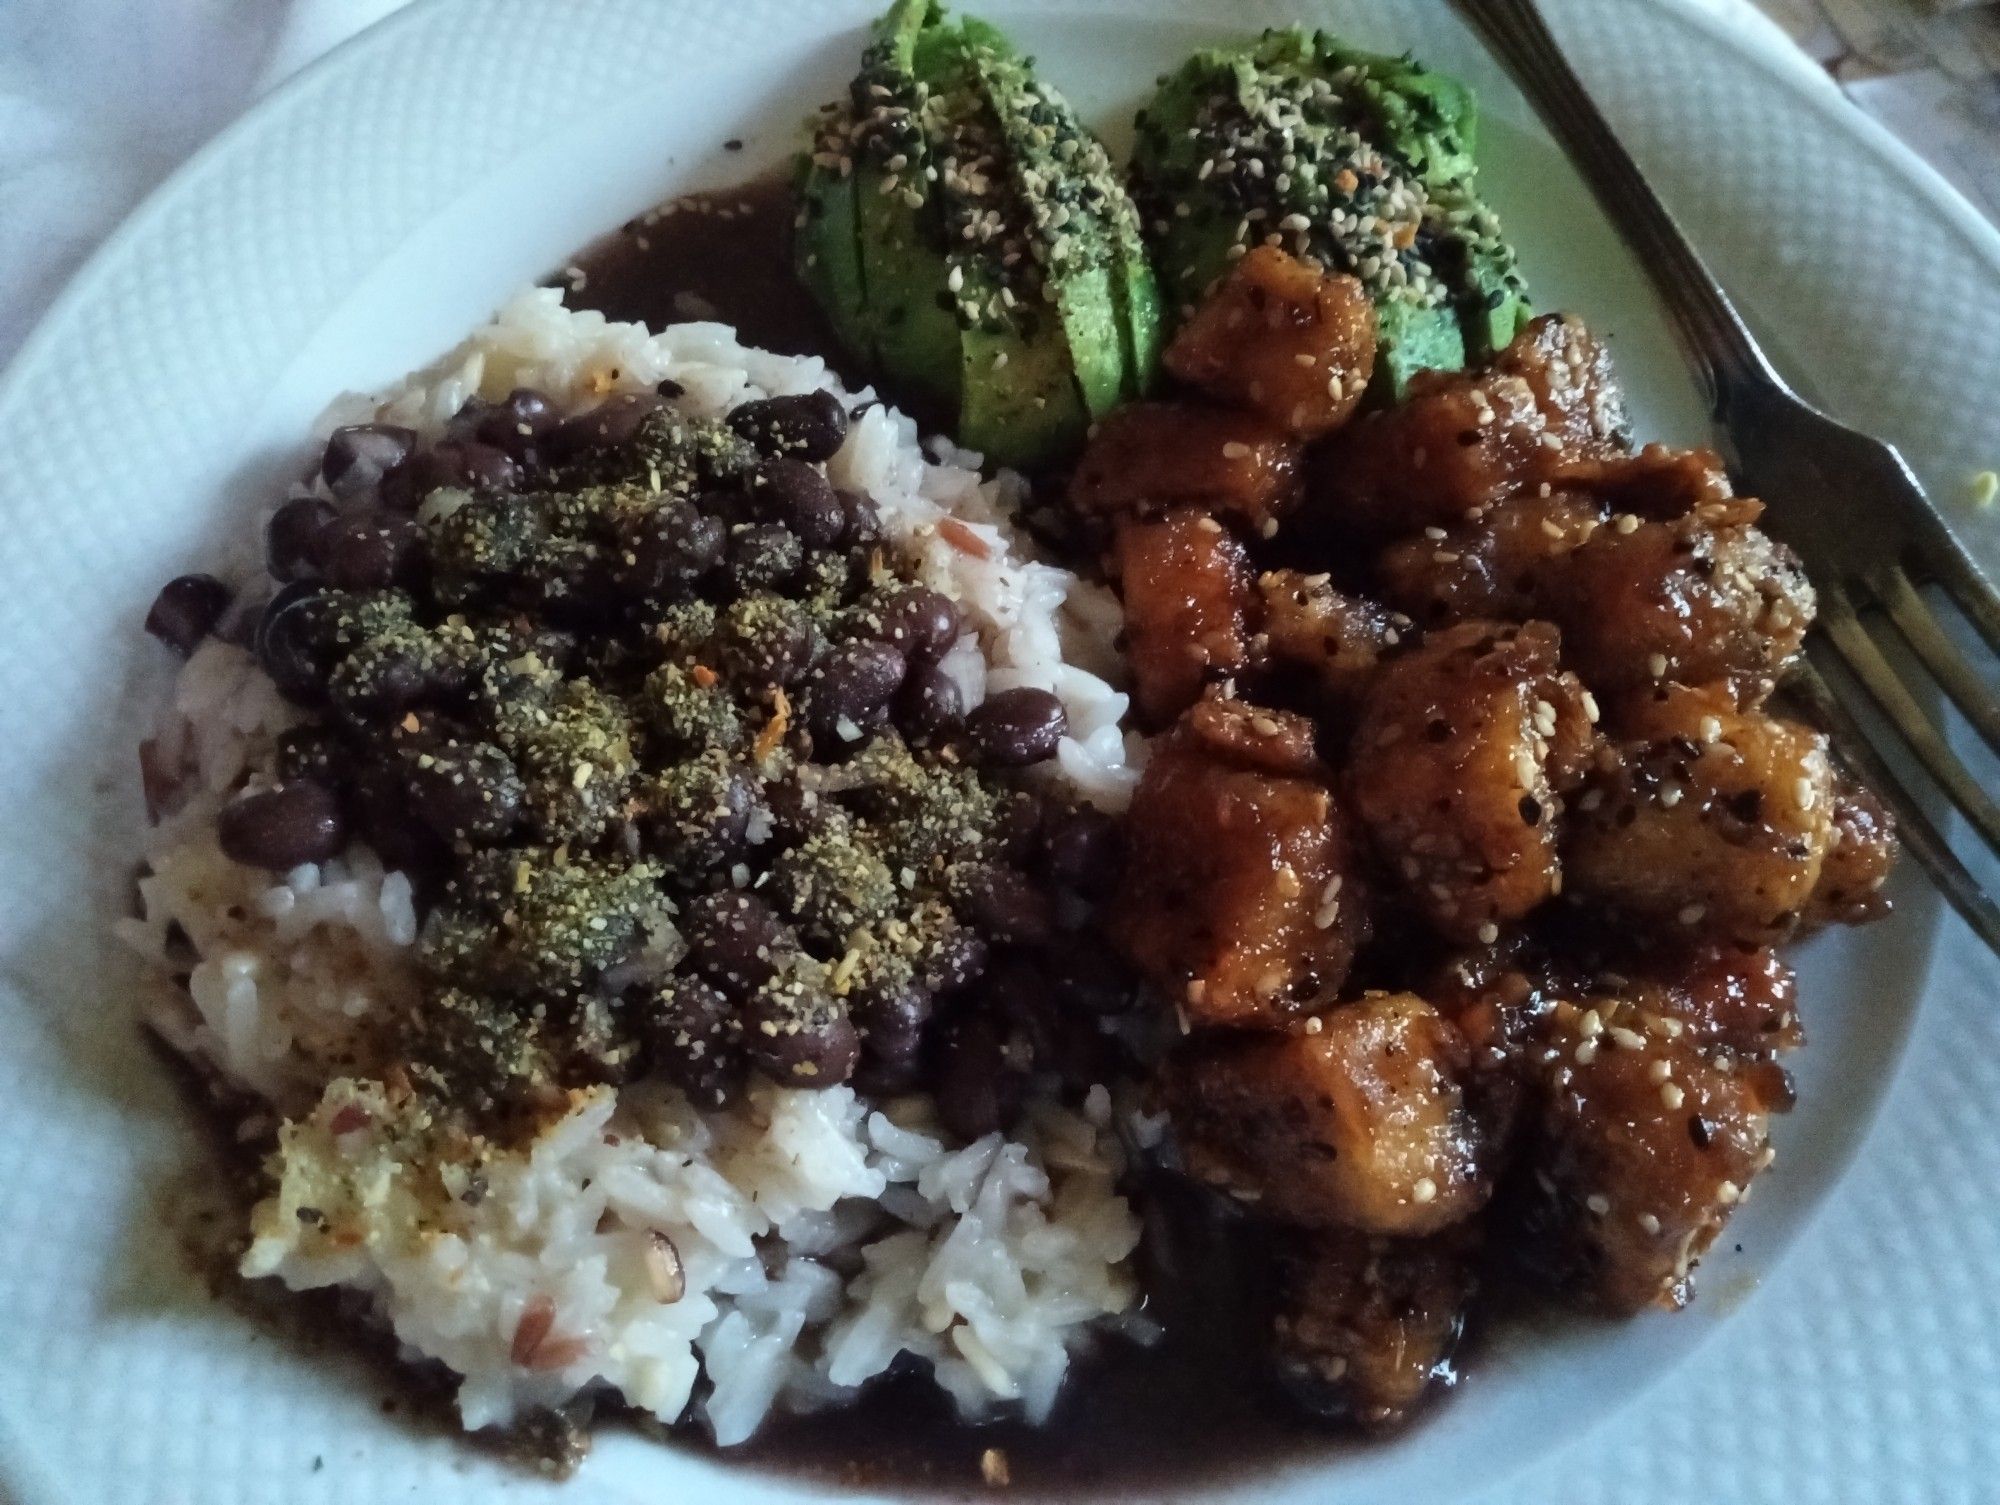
(1718, 345)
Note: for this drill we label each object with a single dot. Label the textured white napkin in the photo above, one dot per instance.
(101, 99)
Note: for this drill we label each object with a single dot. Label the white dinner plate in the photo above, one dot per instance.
(364, 217)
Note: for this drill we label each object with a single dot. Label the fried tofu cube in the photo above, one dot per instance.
(1860, 854)
(1490, 565)
(1641, 602)
(1711, 819)
(1281, 338)
(1239, 897)
(1355, 1118)
(1645, 1147)
(1185, 580)
(1337, 638)
(1367, 1326)
(1152, 457)
(1461, 440)
(1461, 755)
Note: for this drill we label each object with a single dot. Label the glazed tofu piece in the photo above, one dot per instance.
(1336, 638)
(1660, 483)
(1708, 818)
(1644, 1148)
(1366, 1327)
(1186, 583)
(1732, 998)
(1281, 338)
(1240, 897)
(1490, 565)
(1461, 757)
(1641, 602)
(1465, 439)
(1353, 1118)
(1860, 853)
(1146, 458)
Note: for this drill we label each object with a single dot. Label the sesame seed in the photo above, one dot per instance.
(1656, 665)
(1805, 793)
(1650, 1224)
(1590, 1023)
(1598, 1203)
(1424, 1191)
(1625, 522)
(1434, 532)
(1728, 1193)
(1235, 449)
(1671, 1095)
(1489, 933)
(1314, 1025)
(1590, 709)
(1586, 1053)
(1627, 1039)
(1691, 914)
(1711, 729)
(1660, 1070)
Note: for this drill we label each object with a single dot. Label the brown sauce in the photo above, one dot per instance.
(725, 256)
(1134, 1422)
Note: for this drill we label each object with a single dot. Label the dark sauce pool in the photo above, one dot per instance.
(1198, 1406)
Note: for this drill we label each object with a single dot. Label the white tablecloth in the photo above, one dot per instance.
(101, 99)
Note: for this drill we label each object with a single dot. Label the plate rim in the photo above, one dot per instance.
(1802, 82)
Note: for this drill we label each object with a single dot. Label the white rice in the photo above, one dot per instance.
(815, 1238)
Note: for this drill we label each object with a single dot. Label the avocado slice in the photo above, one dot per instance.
(1002, 274)
(1362, 161)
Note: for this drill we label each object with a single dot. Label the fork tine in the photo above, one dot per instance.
(1963, 580)
(1914, 620)
(1920, 836)
(1856, 649)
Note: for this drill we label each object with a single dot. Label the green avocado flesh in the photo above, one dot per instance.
(971, 243)
(1362, 162)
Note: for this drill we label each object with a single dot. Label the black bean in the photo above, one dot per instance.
(766, 640)
(379, 804)
(1089, 979)
(281, 827)
(373, 550)
(359, 456)
(797, 496)
(450, 462)
(615, 421)
(762, 556)
(293, 539)
(517, 424)
(929, 705)
(1016, 727)
(688, 1028)
(796, 811)
(317, 753)
(813, 1045)
(860, 519)
(703, 823)
(1020, 991)
(958, 958)
(667, 550)
(736, 940)
(380, 685)
(850, 693)
(978, 1092)
(186, 611)
(465, 791)
(808, 426)
(1082, 849)
(923, 623)
(891, 1021)
(293, 643)
(1004, 903)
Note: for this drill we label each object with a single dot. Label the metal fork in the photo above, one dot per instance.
(1847, 503)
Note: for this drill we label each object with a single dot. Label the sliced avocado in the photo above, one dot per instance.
(911, 328)
(1361, 161)
(827, 252)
